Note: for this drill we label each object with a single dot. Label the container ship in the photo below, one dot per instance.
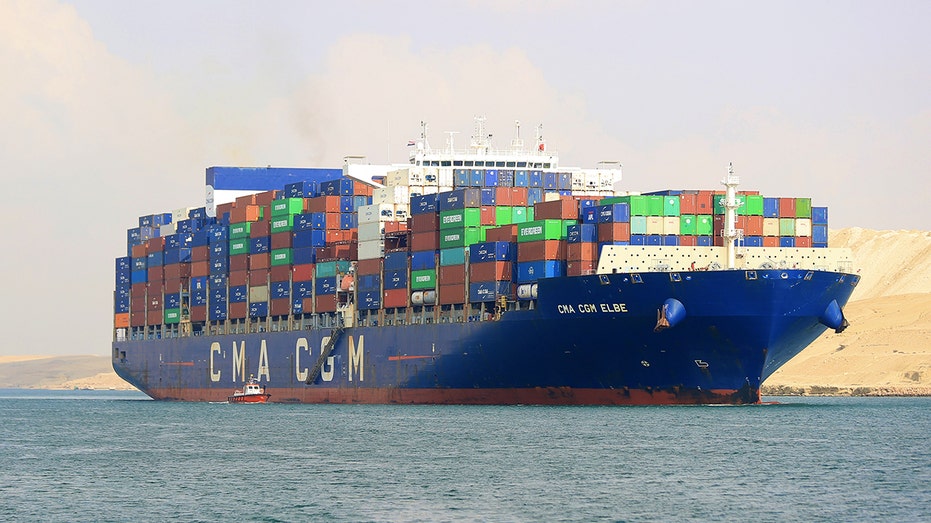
(479, 276)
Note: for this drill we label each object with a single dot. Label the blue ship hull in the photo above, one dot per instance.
(589, 340)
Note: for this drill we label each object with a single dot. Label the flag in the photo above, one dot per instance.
(411, 143)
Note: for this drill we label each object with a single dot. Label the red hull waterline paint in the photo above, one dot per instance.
(525, 396)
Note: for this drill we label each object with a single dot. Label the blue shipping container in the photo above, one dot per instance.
(396, 279)
(488, 291)
(528, 272)
(369, 300)
(421, 260)
(395, 261)
(491, 251)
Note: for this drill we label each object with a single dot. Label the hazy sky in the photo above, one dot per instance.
(113, 109)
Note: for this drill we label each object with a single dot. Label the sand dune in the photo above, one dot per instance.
(886, 350)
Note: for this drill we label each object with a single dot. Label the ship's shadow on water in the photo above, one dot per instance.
(107, 456)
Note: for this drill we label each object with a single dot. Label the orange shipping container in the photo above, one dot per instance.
(562, 209)
(121, 320)
(770, 241)
(688, 204)
(324, 204)
(139, 251)
(259, 261)
(199, 313)
(584, 251)
(580, 268)
(199, 269)
(452, 274)
(490, 271)
(395, 298)
(614, 232)
(803, 241)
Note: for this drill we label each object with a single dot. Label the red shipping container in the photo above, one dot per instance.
(239, 262)
(266, 198)
(803, 241)
(503, 233)
(199, 269)
(580, 268)
(425, 241)
(562, 209)
(177, 270)
(584, 251)
(238, 311)
(258, 277)
(280, 273)
(770, 241)
(245, 213)
(155, 244)
(303, 272)
(154, 317)
(718, 224)
(503, 196)
(246, 199)
(155, 287)
(238, 278)
(325, 303)
(541, 250)
(704, 202)
(199, 313)
(488, 215)
(518, 196)
(425, 222)
(259, 261)
(787, 207)
(137, 318)
(155, 273)
(281, 240)
(200, 253)
(394, 298)
(687, 203)
(490, 271)
(324, 204)
(372, 266)
(224, 208)
(307, 304)
(451, 294)
(688, 241)
(614, 232)
(452, 274)
(138, 303)
(174, 285)
(260, 229)
(279, 307)
(139, 251)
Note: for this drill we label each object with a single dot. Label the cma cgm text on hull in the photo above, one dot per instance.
(472, 277)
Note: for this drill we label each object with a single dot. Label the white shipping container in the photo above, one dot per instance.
(670, 225)
(592, 179)
(180, 214)
(402, 211)
(654, 225)
(770, 226)
(371, 250)
(803, 226)
(258, 293)
(578, 181)
(377, 212)
(391, 194)
(413, 190)
(371, 231)
(168, 228)
(445, 179)
(430, 189)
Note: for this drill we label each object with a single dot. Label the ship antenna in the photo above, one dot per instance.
(517, 144)
(423, 136)
(730, 234)
(451, 149)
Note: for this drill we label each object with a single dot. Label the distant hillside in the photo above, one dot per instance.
(887, 348)
(59, 372)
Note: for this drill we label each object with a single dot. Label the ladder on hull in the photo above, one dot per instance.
(324, 354)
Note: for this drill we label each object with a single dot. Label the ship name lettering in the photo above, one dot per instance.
(613, 307)
(214, 374)
(590, 308)
(356, 358)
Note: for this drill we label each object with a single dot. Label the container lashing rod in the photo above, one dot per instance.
(324, 354)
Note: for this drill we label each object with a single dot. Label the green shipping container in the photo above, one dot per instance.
(282, 223)
(287, 206)
(503, 215)
(688, 225)
(704, 225)
(654, 205)
(325, 269)
(719, 203)
(671, 206)
(425, 279)
(530, 211)
(753, 205)
(459, 218)
(803, 207)
(281, 257)
(462, 237)
(172, 316)
(541, 230)
(518, 214)
(639, 204)
(240, 246)
(240, 230)
(638, 224)
(786, 226)
(452, 256)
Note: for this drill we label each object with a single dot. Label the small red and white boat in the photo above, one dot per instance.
(252, 392)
